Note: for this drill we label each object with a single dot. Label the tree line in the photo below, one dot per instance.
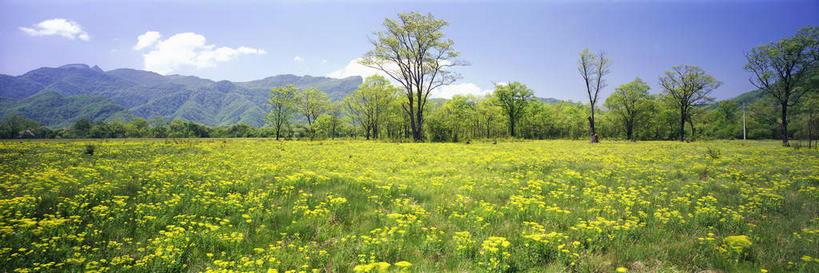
(415, 57)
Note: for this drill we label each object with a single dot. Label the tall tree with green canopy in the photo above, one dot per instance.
(628, 103)
(413, 51)
(488, 111)
(688, 86)
(593, 68)
(311, 103)
(780, 67)
(513, 98)
(369, 102)
(334, 112)
(282, 101)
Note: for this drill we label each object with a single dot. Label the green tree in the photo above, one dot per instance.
(334, 119)
(513, 98)
(368, 104)
(137, 127)
(81, 128)
(282, 101)
(14, 126)
(311, 104)
(780, 67)
(593, 69)
(810, 109)
(688, 86)
(413, 51)
(489, 113)
(726, 120)
(628, 103)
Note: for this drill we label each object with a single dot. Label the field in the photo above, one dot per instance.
(351, 206)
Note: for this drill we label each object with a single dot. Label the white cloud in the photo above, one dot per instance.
(147, 39)
(298, 59)
(57, 26)
(448, 91)
(354, 68)
(190, 50)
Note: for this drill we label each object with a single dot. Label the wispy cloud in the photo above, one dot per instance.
(298, 59)
(57, 26)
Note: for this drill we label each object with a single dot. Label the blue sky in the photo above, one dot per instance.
(536, 43)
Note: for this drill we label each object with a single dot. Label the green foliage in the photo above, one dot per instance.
(13, 126)
(311, 104)
(513, 97)
(282, 104)
(413, 51)
(629, 103)
(89, 149)
(687, 86)
(55, 110)
(368, 105)
(780, 69)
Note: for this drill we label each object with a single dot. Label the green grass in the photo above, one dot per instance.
(341, 206)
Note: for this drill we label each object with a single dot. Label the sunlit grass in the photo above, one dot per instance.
(344, 206)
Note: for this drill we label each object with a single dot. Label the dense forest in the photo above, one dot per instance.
(396, 106)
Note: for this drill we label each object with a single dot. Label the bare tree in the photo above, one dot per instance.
(413, 51)
(593, 69)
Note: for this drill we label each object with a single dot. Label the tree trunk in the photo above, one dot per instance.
(592, 133)
(367, 132)
(691, 123)
(785, 124)
(512, 127)
(487, 129)
(630, 131)
(417, 134)
(810, 129)
(682, 124)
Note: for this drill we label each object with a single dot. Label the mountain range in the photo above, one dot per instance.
(57, 97)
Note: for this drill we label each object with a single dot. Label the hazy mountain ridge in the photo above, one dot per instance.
(81, 91)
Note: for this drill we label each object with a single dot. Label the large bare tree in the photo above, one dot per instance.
(780, 67)
(413, 51)
(593, 69)
(688, 86)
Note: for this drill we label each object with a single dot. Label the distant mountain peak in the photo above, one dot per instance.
(97, 68)
(76, 66)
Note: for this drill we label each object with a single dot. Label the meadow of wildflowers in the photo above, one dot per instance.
(352, 206)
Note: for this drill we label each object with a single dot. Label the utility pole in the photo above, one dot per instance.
(743, 121)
